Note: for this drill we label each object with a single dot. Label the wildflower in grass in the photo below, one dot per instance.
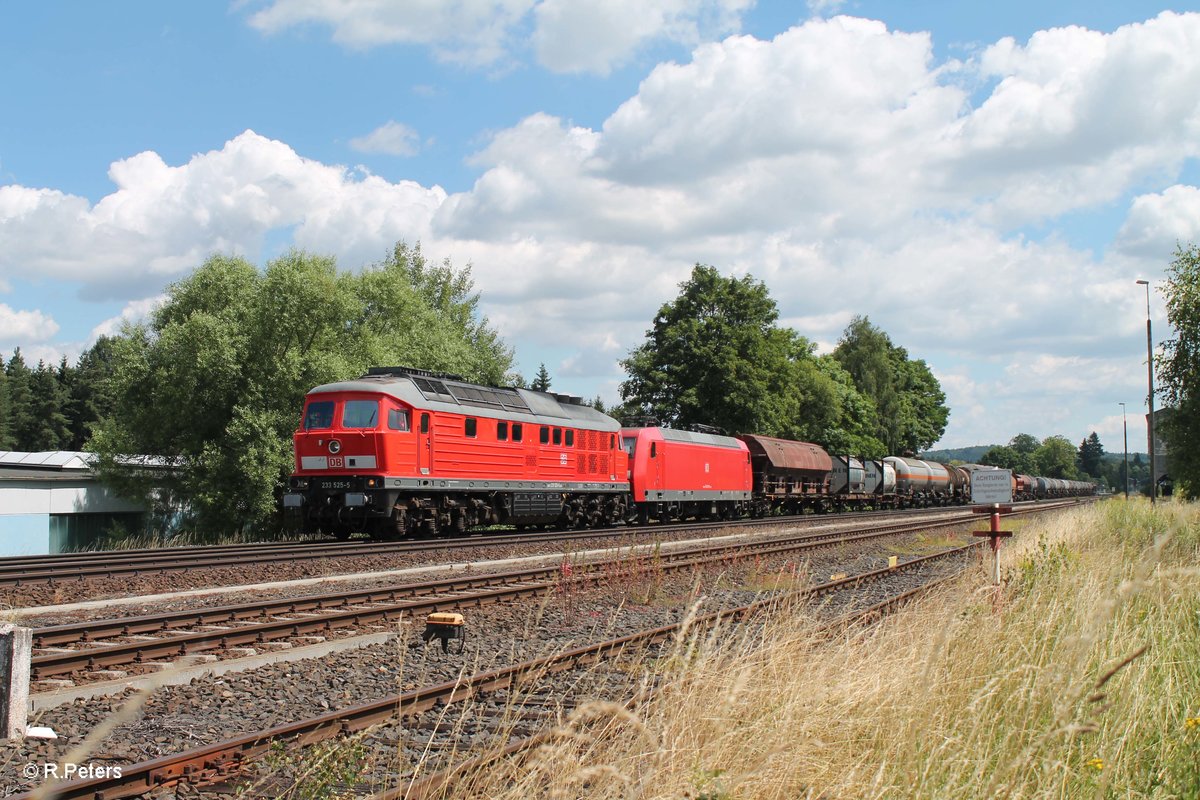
(1096, 764)
(1192, 722)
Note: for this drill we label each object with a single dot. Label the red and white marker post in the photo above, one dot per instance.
(995, 534)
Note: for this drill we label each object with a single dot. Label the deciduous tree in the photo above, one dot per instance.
(715, 356)
(1055, 458)
(911, 412)
(213, 384)
(1179, 368)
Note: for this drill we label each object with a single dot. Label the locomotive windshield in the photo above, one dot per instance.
(319, 415)
(360, 414)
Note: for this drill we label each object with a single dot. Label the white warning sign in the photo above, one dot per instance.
(991, 486)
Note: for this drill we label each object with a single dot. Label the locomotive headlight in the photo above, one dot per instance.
(299, 483)
(372, 483)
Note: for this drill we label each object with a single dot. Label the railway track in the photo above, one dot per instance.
(23, 571)
(226, 759)
(78, 648)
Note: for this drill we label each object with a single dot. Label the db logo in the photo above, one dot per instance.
(336, 462)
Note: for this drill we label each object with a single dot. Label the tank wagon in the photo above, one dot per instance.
(862, 483)
(927, 483)
(407, 452)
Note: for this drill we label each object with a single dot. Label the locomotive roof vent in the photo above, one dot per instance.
(401, 372)
(569, 399)
(701, 428)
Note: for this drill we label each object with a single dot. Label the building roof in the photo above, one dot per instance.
(59, 460)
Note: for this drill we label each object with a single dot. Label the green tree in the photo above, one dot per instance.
(89, 390)
(462, 340)
(1091, 455)
(923, 410)
(853, 429)
(911, 412)
(715, 356)
(1002, 457)
(1025, 447)
(542, 382)
(6, 439)
(1055, 458)
(1179, 368)
(213, 384)
(48, 429)
(20, 402)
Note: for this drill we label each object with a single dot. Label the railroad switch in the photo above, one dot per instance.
(447, 627)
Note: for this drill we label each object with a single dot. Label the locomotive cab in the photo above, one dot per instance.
(344, 446)
(401, 451)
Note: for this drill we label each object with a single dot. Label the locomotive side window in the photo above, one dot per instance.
(544, 436)
(501, 431)
(558, 435)
(516, 431)
(629, 445)
(398, 419)
(472, 426)
(424, 423)
(319, 415)
(570, 438)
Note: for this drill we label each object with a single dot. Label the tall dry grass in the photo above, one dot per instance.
(1080, 679)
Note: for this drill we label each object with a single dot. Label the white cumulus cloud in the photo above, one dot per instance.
(20, 327)
(162, 220)
(566, 35)
(393, 138)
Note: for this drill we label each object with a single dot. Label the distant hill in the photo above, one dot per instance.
(971, 455)
(968, 455)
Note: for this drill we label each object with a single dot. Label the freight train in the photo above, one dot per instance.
(407, 452)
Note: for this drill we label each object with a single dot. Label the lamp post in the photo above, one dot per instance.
(1125, 428)
(1150, 398)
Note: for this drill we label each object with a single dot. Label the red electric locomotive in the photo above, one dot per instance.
(682, 474)
(403, 451)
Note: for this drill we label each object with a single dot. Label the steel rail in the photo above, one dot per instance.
(212, 762)
(424, 787)
(13, 563)
(321, 613)
(385, 605)
(26, 571)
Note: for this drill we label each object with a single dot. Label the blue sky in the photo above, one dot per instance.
(985, 181)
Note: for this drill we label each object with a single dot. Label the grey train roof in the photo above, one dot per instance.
(436, 393)
(699, 437)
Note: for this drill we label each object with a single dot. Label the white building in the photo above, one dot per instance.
(53, 503)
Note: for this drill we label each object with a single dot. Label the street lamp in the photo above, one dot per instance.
(1125, 427)
(1150, 399)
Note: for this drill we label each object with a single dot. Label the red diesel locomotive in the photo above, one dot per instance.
(403, 452)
